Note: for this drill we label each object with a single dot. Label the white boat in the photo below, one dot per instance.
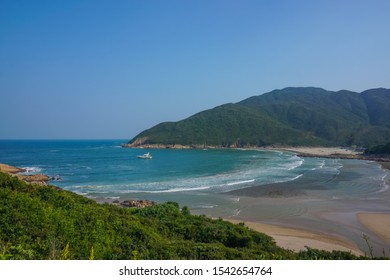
(145, 156)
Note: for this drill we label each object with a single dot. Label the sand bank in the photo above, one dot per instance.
(336, 152)
(298, 239)
(377, 223)
(323, 151)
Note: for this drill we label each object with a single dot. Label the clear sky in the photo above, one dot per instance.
(110, 69)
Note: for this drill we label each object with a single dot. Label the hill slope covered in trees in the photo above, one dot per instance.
(291, 116)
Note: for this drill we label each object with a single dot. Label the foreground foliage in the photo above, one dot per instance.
(45, 222)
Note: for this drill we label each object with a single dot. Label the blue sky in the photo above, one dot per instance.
(110, 69)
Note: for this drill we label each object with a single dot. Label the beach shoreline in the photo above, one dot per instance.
(370, 224)
(322, 152)
(298, 238)
(335, 152)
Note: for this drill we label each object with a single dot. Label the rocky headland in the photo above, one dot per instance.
(40, 179)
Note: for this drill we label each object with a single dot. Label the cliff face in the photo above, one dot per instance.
(292, 116)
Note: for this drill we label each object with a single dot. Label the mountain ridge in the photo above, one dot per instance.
(295, 116)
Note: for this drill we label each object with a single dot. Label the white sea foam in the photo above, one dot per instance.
(296, 163)
(164, 191)
(384, 185)
(32, 169)
(236, 212)
(81, 193)
(296, 177)
(240, 182)
(320, 166)
(89, 187)
(206, 206)
(95, 192)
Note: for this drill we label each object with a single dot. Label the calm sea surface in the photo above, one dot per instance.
(310, 192)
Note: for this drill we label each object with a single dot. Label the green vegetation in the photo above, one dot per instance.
(379, 150)
(45, 222)
(292, 116)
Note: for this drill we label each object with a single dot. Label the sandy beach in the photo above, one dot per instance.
(322, 151)
(298, 239)
(336, 152)
(343, 219)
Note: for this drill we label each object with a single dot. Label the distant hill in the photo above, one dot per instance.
(292, 116)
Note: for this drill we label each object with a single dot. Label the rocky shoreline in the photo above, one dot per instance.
(40, 179)
(43, 180)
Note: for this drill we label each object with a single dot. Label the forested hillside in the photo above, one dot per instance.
(292, 116)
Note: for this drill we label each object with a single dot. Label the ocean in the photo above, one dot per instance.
(275, 187)
(104, 169)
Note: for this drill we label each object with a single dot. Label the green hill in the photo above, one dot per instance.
(292, 116)
(383, 150)
(45, 222)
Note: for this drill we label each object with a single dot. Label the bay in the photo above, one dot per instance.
(274, 187)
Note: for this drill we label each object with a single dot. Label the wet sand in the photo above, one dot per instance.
(379, 224)
(298, 239)
(321, 222)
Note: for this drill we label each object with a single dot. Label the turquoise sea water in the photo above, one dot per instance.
(268, 186)
(103, 167)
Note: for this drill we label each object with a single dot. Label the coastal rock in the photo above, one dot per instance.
(137, 143)
(10, 169)
(55, 178)
(40, 179)
(136, 203)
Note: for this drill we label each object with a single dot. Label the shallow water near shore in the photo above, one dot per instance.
(260, 186)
